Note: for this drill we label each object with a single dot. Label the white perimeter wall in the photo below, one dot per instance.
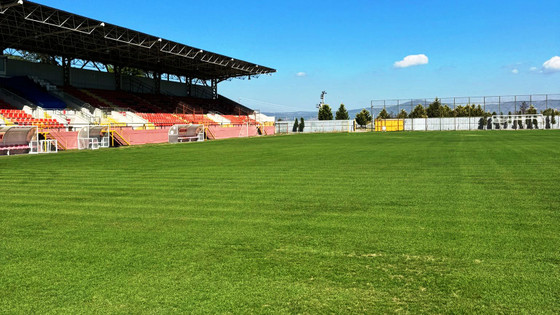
(316, 126)
(450, 123)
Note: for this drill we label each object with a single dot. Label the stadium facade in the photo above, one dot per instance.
(137, 86)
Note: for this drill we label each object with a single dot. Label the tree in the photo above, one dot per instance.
(446, 111)
(128, 71)
(461, 111)
(342, 113)
(531, 110)
(402, 114)
(301, 125)
(477, 111)
(434, 109)
(363, 117)
(419, 112)
(35, 57)
(325, 112)
(383, 114)
(296, 126)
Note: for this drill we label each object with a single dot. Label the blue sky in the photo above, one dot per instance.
(349, 48)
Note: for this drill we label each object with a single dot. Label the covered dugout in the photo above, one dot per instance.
(23, 140)
(93, 137)
(186, 133)
(16, 140)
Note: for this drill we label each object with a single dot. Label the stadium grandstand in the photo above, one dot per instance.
(91, 73)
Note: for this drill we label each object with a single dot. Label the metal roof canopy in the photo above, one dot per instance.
(26, 25)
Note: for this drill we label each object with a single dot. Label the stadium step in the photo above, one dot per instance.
(117, 137)
(95, 96)
(209, 134)
(50, 136)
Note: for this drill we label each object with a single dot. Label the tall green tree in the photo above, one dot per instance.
(446, 111)
(342, 113)
(296, 126)
(325, 112)
(383, 114)
(128, 71)
(301, 125)
(418, 112)
(434, 109)
(35, 57)
(531, 110)
(460, 111)
(363, 117)
(402, 114)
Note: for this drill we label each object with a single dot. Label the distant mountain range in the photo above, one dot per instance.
(504, 107)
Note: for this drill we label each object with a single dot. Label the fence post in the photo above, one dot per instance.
(426, 120)
(371, 111)
(412, 118)
(469, 104)
(484, 114)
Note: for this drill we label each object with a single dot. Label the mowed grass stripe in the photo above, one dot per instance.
(418, 222)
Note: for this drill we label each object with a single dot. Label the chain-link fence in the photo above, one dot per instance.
(470, 113)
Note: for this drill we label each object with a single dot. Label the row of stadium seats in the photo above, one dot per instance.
(238, 120)
(155, 103)
(197, 119)
(126, 100)
(162, 120)
(21, 118)
(5, 105)
(83, 96)
(26, 88)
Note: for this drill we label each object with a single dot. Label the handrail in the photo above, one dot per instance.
(48, 134)
(120, 136)
(78, 104)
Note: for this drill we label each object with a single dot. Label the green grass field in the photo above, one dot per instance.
(454, 222)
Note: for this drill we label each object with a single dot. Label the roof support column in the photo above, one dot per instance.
(157, 82)
(189, 82)
(66, 70)
(214, 84)
(118, 77)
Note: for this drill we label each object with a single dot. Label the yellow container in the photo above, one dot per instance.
(389, 124)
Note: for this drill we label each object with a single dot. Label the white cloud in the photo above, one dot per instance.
(515, 71)
(533, 69)
(412, 60)
(301, 74)
(552, 64)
